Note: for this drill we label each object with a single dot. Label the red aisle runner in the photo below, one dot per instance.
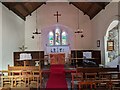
(57, 78)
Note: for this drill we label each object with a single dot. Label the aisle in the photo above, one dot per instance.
(57, 79)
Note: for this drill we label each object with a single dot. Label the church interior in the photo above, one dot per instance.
(53, 44)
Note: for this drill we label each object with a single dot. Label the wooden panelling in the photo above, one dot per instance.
(36, 56)
(77, 57)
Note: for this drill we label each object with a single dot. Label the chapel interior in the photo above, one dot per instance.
(59, 45)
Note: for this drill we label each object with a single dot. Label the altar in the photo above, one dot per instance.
(57, 58)
(57, 54)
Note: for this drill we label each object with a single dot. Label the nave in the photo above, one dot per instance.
(90, 78)
(62, 77)
(59, 45)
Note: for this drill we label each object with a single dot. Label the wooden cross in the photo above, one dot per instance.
(57, 14)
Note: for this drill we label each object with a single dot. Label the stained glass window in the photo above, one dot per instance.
(64, 38)
(51, 38)
(57, 36)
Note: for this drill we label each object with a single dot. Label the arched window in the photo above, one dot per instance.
(64, 38)
(51, 38)
(57, 37)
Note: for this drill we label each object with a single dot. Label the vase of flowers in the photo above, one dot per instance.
(22, 48)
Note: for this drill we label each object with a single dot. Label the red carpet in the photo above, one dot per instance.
(57, 78)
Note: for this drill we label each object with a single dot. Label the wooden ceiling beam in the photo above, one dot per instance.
(19, 14)
(26, 9)
(95, 13)
(101, 4)
(37, 7)
(13, 9)
(86, 10)
(89, 8)
(10, 5)
(79, 8)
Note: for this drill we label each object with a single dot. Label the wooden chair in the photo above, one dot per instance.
(76, 77)
(112, 77)
(92, 84)
(90, 76)
(29, 73)
(104, 76)
(88, 81)
(4, 72)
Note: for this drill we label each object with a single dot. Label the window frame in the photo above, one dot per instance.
(54, 32)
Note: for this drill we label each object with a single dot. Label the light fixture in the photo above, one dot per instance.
(32, 37)
(78, 28)
(36, 31)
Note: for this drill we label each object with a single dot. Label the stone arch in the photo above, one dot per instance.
(47, 29)
(113, 24)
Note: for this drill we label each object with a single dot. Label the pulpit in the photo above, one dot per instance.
(57, 58)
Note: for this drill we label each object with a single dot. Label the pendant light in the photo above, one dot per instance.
(78, 28)
(36, 31)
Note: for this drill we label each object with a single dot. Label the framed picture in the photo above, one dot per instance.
(98, 43)
(110, 45)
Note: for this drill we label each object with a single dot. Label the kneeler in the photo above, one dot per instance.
(57, 78)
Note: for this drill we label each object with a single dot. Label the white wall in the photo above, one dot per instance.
(69, 18)
(30, 27)
(100, 25)
(13, 29)
(0, 36)
(119, 39)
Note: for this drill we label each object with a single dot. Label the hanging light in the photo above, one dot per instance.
(33, 37)
(36, 31)
(78, 28)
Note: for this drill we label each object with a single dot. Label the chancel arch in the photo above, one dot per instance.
(57, 38)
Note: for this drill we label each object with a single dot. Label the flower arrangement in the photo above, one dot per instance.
(22, 48)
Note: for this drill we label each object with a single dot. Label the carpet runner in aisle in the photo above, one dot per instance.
(57, 79)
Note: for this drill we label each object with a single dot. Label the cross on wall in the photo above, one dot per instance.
(57, 15)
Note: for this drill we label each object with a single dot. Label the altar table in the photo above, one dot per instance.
(57, 58)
